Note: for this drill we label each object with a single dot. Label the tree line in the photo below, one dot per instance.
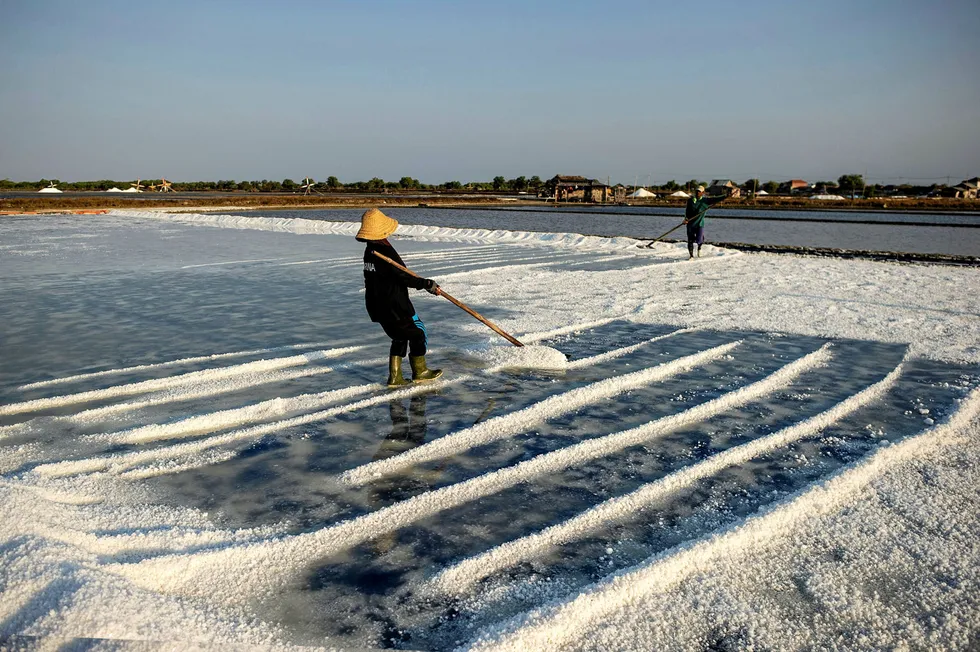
(332, 183)
(848, 184)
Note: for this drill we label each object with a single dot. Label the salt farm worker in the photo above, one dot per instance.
(697, 206)
(386, 297)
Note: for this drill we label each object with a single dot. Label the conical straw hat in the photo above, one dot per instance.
(375, 225)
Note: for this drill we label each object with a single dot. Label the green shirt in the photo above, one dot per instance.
(697, 207)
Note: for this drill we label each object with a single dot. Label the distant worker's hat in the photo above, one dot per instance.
(700, 189)
(375, 225)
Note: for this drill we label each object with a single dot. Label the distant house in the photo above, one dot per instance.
(575, 188)
(966, 189)
(793, 185)
(972, 188)
(725, 187)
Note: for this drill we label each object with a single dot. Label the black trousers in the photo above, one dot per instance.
(404, 333)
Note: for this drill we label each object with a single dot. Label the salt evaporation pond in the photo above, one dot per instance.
(841, 233)
(194, 445)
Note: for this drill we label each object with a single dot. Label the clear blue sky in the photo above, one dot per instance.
(442, 90)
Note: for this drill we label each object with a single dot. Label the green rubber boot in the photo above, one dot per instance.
(395, 378)
(420, 373)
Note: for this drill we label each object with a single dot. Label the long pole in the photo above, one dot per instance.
(653, 242)
(510, 338)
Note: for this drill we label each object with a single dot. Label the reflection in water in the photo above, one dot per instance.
(408, 429)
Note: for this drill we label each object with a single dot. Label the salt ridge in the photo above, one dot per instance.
(183, 379)
(169, 363)
(559, 624)
(267, 567)
(419, 232)
(206, 388)
(461, 576)
(275, 408)
(118, 463)
(620, 352)
(511, 423)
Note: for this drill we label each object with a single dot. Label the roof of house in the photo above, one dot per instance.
(722, 182)
(564, 178)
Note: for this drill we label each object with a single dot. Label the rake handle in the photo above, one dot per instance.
(510, 338)
(657, 239)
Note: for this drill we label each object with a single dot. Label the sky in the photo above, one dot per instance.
(463, 91)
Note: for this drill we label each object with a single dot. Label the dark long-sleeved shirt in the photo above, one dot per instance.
(386, 286)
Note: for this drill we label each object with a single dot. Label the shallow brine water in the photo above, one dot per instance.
(235, 372)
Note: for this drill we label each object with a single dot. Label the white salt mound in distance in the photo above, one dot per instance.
(524, 357)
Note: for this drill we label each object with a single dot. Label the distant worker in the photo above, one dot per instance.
(386, 298)
(697, 206)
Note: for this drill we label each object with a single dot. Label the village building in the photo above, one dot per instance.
(966, 189)
(972, 188)
(575, 188)
(793, 185)
(725, 187)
